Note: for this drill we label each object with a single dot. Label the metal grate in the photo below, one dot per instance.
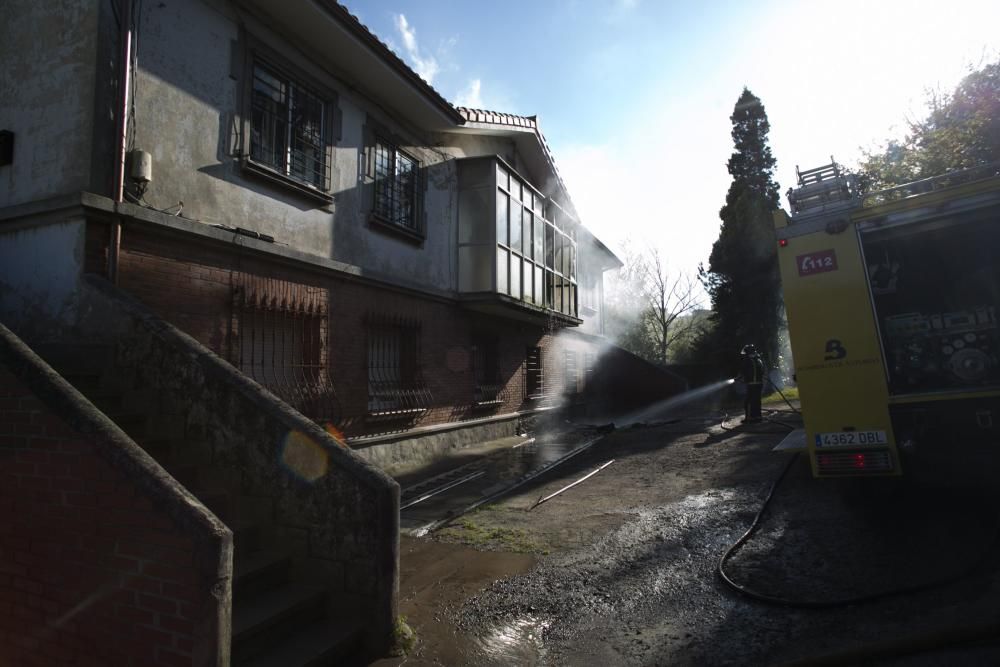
(489, 388)
(395, 186)
(395, 383)
(288, 128)
(571, 377)
(534, 381)
(280, 332)
(589, 362)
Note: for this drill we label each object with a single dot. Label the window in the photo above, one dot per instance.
(279, 337)
(533, 380)
(395, 186)
(589, 361)
(571, 378)
(520, 232)
(290, 128)
(486, 371)
(395, 384)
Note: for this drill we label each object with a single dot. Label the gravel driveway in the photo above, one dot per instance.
(621, 569)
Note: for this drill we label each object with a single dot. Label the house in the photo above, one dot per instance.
(211, 211)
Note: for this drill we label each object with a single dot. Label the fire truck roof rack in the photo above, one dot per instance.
(822, 191)
(931, 184)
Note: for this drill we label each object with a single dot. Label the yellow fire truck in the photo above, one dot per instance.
(892, 301)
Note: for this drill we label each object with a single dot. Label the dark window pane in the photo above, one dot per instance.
(503, 204)
(287, 124)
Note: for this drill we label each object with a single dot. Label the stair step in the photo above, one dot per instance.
(322, 643)
(259, 571)
(261, 621)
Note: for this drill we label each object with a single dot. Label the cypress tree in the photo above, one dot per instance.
(742, 276)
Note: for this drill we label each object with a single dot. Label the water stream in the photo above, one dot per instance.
(661, 409)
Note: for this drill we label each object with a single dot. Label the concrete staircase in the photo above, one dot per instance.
(279, 618)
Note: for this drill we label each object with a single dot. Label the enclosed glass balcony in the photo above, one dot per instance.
(515, 246)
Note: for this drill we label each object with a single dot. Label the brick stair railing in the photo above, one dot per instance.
(277, 618)
(316, 527)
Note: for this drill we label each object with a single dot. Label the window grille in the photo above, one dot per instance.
(589, 361)
(396, 188)
(571, 378)
(395, 383)
(489, 388)
(280, 334)
(288, 128)
(533, 377)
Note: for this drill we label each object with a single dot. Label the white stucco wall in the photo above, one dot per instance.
(47, 73)
(39, 270)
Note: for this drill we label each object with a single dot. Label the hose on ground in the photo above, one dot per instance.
(776, 600)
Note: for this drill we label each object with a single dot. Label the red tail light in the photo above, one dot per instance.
(852, 463)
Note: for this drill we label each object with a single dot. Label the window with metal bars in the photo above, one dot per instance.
(279, 334)
(533, 377)
(489, 389)
(589, 361)
(396, 187)
(289, 127)
(395, 382)
(571, 378)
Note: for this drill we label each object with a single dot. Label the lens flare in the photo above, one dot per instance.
(336, 434)
(304, 457)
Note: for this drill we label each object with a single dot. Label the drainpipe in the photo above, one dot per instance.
(121, 133)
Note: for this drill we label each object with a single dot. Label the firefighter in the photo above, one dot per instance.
(752, 373)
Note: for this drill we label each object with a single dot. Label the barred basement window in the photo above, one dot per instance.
(533, 379)
(395, 382)
(489, 389)
(279, 334)
(589, 361)
(571, 378)
(289, 128)
(396, 187)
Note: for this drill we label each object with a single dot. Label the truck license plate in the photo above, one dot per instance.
(849, 438)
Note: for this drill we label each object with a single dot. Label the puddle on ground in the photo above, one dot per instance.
(517, 642)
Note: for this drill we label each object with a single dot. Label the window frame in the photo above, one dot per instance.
(534, 377)
(488, 387)
(296, 78)
(376, 136)
(394, 389)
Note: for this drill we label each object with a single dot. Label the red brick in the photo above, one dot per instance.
(165, 572)
(28, 429)
(171, 659)
(135, 615)
(157, 604)
(180, 626)
(33, 456)
(13, 441)
(152, 637)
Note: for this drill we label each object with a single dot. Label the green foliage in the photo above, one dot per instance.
(742, 275)
(403, 638)
(474, 531)
(961, 130)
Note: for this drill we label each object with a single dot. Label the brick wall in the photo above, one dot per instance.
(93, 571)
(190, 284)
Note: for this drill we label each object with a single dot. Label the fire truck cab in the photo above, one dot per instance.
(892, 300)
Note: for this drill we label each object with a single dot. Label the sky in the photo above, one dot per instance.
(634, 96)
